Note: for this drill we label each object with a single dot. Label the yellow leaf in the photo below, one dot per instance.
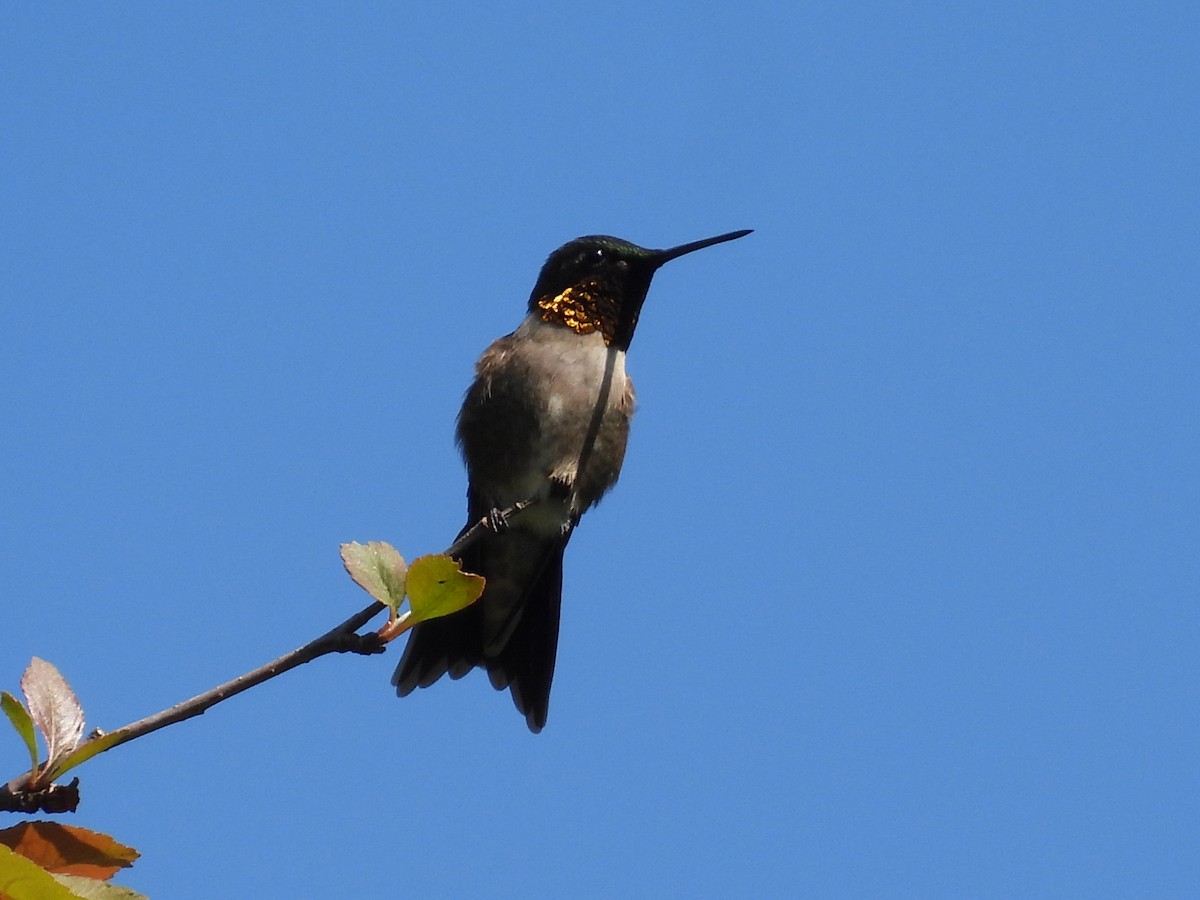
(438, 587)
(21, 879)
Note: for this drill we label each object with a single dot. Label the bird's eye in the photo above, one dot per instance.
(593, 256)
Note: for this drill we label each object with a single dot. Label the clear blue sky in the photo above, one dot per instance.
(898, 595)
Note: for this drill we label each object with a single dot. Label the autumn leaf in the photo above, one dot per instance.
(68, 850)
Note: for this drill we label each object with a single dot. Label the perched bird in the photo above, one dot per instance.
(546, 419)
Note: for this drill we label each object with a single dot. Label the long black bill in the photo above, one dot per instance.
(632, 308)
(665, 256)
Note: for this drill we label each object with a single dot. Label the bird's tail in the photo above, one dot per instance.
(511, 631)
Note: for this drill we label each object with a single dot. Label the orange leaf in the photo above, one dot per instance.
(67, 850)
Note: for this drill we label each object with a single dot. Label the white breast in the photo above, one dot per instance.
(575, 365)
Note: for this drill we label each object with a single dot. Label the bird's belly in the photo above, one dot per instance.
(562, 403)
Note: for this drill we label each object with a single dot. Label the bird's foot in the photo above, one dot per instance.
(497, 520)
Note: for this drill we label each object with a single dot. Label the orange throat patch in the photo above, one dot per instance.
(584, 308)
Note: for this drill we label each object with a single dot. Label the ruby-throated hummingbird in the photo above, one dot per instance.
(546, 419)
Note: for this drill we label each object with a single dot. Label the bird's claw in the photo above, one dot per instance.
(497, 520)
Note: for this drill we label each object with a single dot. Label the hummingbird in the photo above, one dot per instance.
(545, 420)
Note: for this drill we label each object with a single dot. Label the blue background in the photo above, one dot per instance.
(898, 593)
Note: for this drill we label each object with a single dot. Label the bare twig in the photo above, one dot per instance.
(341, 639)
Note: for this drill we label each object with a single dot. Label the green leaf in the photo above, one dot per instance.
(91, 889)
(438, 587)
(378, 569)
(19, 716)
(21, 879)
(84, 752)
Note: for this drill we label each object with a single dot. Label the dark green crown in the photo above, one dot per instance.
(611, 273)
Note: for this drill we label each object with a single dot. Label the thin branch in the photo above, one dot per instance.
(341, 639)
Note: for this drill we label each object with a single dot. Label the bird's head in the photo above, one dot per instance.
(599, 283)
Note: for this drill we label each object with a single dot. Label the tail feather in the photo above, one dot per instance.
(436, 648)
(526, 664)
(523, 661)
